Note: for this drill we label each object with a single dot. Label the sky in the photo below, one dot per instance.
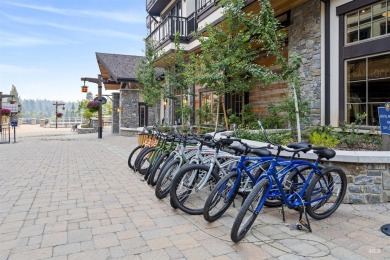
(46, 46)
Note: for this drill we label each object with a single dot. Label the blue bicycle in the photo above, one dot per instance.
(317, 193)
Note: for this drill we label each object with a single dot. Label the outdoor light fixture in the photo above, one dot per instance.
(185, 101)
(84, 88)
(165, 102)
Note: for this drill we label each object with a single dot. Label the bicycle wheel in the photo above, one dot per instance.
(156, 169)
(165, 179)
(145, 160)
(155, 156)
(133, 155)
(219, 200)
(186, 192)
(141, 153)
(248, 214)
(333, 183)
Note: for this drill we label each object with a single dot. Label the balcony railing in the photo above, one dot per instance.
(171, 25)
(155, 7)
(203, 4)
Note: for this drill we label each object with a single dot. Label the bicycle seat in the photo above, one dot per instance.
(326, 153)
(260, 152)
(256, 151)
(300, 145)
(192, 141)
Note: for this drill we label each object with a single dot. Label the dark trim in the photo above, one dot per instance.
(146, 113)
(367, 48)
(341, 69)
(327, 62)
(357, 4)
(206, 12)
(126, 80)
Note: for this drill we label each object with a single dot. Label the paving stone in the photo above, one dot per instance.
(105, 240)
(41, 253)
(107, 229)
(79, 235)
(54, 239)
(116, 252)
(159, 243)
(67, 249)
(184, 241)
(157, 254)
(95, 254)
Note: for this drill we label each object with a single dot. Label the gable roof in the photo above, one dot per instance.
(118, 67)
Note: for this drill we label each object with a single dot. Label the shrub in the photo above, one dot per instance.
(323, 139)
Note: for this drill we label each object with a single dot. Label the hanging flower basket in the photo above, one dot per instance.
(5, 112)
(93, 106)
(12, 101)
(59, 114)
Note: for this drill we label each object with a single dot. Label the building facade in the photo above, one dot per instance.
(345, 46)
(129, 109)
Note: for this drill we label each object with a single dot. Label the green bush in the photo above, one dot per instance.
(323, 139)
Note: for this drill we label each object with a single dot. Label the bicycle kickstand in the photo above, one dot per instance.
(283, 214)
(302, 223)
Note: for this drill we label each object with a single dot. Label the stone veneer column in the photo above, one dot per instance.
(305, 40)
(115, 113)
(129, 99)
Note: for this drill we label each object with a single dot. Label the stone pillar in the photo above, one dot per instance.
(305, 40)
(33, 121)
(115, 113)
(129, 99)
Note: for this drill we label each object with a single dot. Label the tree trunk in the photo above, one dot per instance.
(224, 114)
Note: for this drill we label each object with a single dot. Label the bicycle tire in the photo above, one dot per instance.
(155, 156)
(326, 207)
(133, 156)
(218, 194)
(144, 160)
(182, 190)
(256, 196)
(136, 162)
(156, 169)
(165, 179)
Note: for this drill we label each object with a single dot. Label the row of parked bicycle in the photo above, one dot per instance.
(204, 175)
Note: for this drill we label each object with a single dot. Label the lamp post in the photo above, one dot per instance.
(63, 108)
(99, 82)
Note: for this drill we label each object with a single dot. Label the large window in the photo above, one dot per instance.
(368, 86)
(369, 22)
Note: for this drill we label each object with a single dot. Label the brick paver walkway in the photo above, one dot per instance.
(70, 196)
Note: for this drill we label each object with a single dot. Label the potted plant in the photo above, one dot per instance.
(59, 114)
(93, 106)
(5, 112)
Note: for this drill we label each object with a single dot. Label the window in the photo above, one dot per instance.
(368, 87)
(209, 106)
(209, 101)
(369, 22)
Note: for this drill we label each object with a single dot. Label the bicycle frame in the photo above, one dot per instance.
(290, 200)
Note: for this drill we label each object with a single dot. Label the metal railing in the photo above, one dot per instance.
(171, 25)
(203, 4)
(149, 3)
(5, 133)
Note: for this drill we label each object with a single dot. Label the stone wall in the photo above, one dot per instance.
(367, 182)
(129, 99)
(304, 39)
(115, 113)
